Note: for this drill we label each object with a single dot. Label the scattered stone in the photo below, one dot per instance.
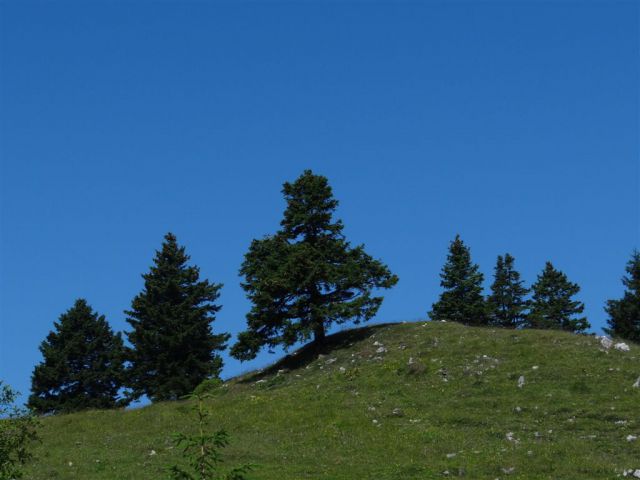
(451, 455)
(377, 344)
(397, 412)
(521, 381)
(152, 453)
(509, 470)
(260, 381)
(381, 350)
(518, 409)
(632, 438)
(622, 347)
(535, 367)
(510, 437)
(606, 342)
(281, 372)
(631, 473)
(637, 384)
(412, 361)
(330, 361)
(71, 464)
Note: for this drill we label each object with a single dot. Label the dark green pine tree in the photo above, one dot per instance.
(174, 348)
(462, 299)
(624, 314)
(307, 276)
(507, 306)
(552, 306)
(83, 364)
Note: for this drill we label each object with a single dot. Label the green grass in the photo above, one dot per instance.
(362, 417)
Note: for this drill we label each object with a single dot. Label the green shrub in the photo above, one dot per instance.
(202, 451)
(18, 429)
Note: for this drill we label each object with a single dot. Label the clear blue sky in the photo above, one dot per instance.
(514, 124)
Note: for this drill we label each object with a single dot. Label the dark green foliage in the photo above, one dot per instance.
(82, 366)
(461, 279)
(307, 276)
(624, 314)
(552, 306)
(18, 430)
(202, 451)
(506, 306)
(174, 348)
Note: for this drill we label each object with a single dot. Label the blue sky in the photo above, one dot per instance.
(514, 124)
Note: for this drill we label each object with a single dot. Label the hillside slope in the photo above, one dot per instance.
(402, 401)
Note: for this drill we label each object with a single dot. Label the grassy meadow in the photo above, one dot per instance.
(397, 401)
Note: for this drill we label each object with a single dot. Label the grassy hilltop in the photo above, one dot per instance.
(403, 401)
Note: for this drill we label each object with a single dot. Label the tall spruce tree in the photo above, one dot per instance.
(173, 346)
(624, 314)
(307, 277)
(462, 299)
(82, 367)
(507, 305)
(552, 306)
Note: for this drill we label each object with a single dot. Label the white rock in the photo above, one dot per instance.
(535, 367)
(330, 361)
(636, 474)
(342, 369)
(511, 437)
(152, 453)
(606, 342)
(412, 361)
(451, 455)
(637, 384)
(623, 347)
(632, 438)
(521, 381)
(381, 350)
(377, 344)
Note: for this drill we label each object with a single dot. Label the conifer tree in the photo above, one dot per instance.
(173, 346)
(506, 306)
(552, 306)
(307, 276)
(461, 279)
(82, 366)
(624, 314)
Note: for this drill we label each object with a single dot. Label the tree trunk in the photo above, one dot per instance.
(319, 335)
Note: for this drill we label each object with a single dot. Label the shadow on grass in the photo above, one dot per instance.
(309, 352)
